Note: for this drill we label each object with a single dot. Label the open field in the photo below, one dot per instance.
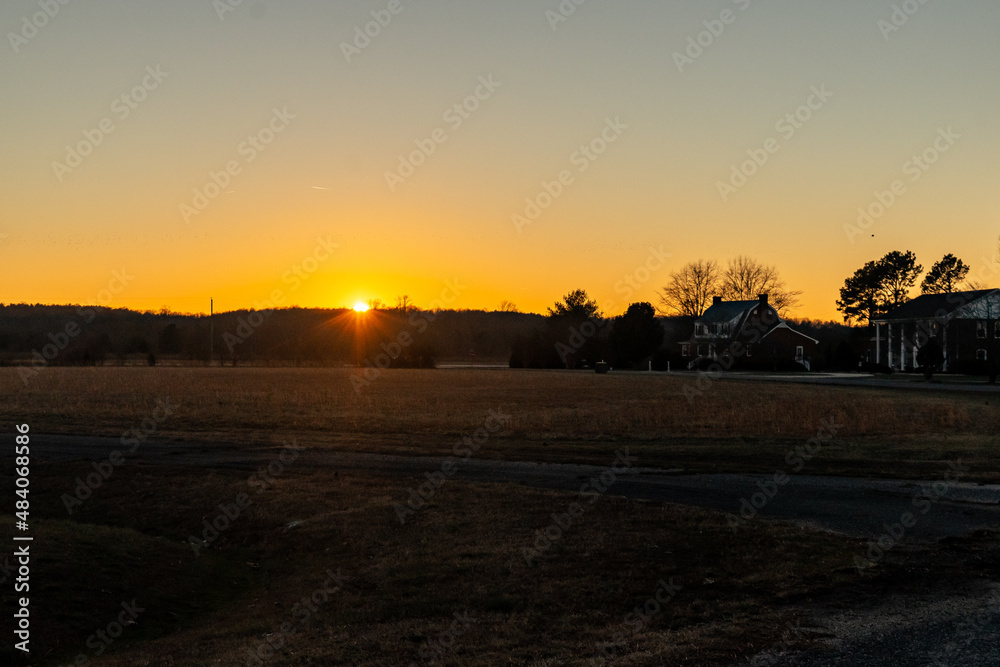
(735, 595)
(731, 426)
(381, 591)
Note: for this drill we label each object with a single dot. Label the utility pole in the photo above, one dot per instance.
(211, 329)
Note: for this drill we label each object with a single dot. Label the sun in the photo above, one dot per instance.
(360, 307)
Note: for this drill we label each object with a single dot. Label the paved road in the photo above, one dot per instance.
(941, 628)
(856, 507)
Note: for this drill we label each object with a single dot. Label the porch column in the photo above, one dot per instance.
(902, 346)
(878, 343)
(944, 334)
(889, 346)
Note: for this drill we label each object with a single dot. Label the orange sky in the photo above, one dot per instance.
(197, 86)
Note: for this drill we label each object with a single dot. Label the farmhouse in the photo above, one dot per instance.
(964, 324)
(747, 334)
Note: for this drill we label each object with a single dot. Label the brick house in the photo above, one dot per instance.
(747, 334)
(965, 325)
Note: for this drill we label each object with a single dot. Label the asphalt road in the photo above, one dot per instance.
(943, 627)
(860, 508)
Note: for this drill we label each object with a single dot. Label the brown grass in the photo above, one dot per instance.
(463, 552)
(555, 416)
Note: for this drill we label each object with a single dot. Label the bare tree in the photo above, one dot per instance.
(403, 303)
(745, 279)
(376, 304)
(507, 307)
(691, 288)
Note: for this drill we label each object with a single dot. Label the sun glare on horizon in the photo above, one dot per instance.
(360, 307)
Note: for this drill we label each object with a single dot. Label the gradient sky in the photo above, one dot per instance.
(323, 176)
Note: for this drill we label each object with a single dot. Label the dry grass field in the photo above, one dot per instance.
(405, 582)
(462, 553)
(554, 416)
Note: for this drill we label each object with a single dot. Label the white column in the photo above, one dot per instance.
(902, 346)
(944, 335)
(878, 343)
(888, 347)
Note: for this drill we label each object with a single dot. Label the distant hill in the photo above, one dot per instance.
(68, 335)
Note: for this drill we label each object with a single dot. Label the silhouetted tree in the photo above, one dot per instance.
(507, 307)
(745, 278)
(690, 289)
(576, 306)
(879, 286)
(170, 340)
(863, 295)
(403, 303)
(945, 276)
(900, 276)
(636, 334)
(575, 326)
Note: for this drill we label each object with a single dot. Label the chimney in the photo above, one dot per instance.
(716, 300)
(762, 298)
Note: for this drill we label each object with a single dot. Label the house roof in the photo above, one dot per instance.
(930, 306)
(727, 311)
(782, 325)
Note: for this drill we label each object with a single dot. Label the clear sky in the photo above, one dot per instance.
(331, 111)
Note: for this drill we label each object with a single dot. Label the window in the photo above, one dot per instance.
(981, 355)
(749, 349)
(702, 350)
(981, 329)
(725, 329)
(685, 350)
(800, 352)
(996, 329)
